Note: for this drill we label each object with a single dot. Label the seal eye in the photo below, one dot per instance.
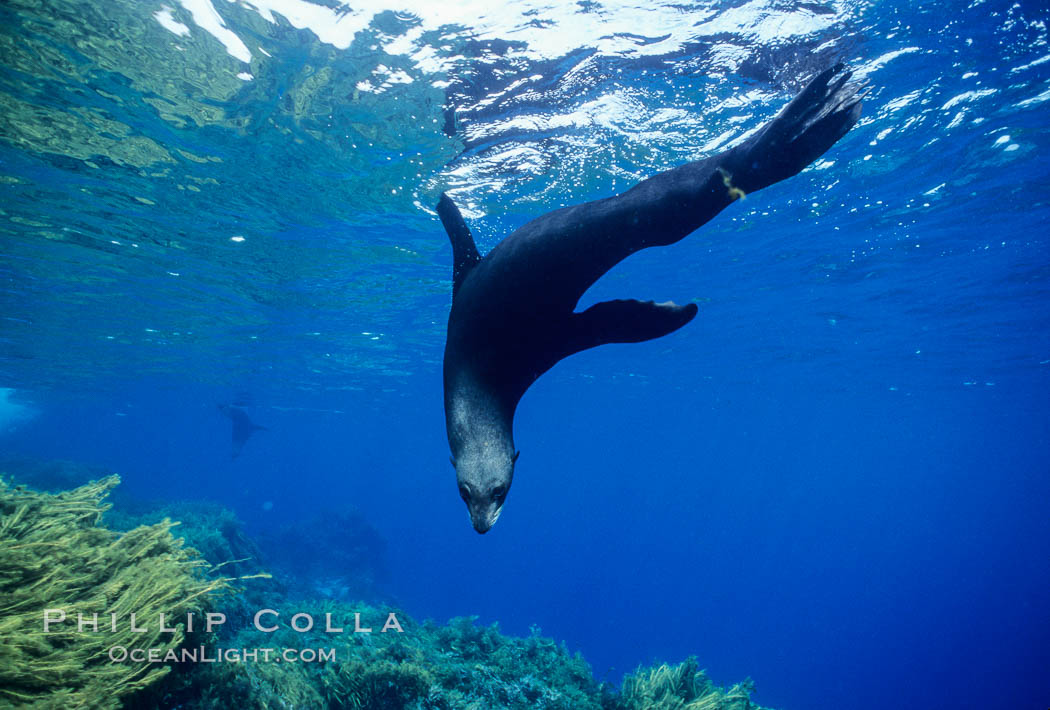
(464, 494)
(499, 493)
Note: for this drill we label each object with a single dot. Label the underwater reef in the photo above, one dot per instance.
(212, 530)
(335, 554)
(331, 555)
(54, 555)
(69, 551)
(52, 475)
(454, 666)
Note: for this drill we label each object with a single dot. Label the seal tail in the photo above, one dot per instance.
(464, 252)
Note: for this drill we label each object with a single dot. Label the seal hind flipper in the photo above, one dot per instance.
(803, 131)
(626, 321)
(464, 252)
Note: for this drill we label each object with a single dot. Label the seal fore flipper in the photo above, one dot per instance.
(464, 252)
(626, 321)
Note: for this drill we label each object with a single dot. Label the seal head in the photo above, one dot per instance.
(484, 479)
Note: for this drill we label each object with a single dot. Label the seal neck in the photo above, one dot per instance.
(477, 419)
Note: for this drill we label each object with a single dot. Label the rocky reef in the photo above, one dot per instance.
(284, 643)
(455, 666)
(330, 555)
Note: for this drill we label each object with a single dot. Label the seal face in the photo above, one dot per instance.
(513, 312)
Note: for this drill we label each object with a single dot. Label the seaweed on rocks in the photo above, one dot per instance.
(57, 562)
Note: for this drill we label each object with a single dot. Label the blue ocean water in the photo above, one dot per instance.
(834, 481)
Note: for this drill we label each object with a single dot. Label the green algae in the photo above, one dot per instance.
(681, 687)
(213, 531)
(54, 554)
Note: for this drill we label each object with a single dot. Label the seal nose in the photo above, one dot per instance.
(483, 520)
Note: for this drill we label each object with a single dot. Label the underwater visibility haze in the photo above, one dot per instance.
(218, 214)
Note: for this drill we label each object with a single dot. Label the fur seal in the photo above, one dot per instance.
(513, 312)
(243, 427)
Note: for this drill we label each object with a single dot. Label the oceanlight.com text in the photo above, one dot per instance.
(200, 654)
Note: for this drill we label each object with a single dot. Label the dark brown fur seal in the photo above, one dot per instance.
(513, 312)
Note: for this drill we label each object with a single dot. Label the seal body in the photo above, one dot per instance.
(513, 312)
(242, 427)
